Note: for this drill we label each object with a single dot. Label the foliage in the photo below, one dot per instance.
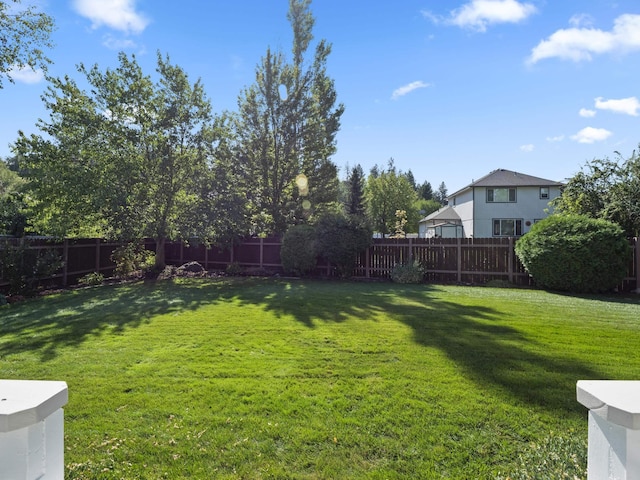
(345, 374)
(355, 199)
(401, 224)
(24, 32)
(425, 191)
(24, 268)
(575, 253)
(91, 279)
(441, 194)
(234, 269)
(130, 156)
(341, 238)
(132, 258)
(286, 129)
(427, 207)
(608, 189)
(299, 250)
(13, 202)
(386, 192)
(411, 272)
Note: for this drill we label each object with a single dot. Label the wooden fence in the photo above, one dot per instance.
(464, 261)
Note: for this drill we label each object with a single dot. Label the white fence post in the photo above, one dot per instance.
(32, 429)
(614, 428)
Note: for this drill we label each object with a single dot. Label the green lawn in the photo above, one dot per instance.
(249, 378)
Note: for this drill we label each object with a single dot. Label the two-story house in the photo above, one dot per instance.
(501, 204)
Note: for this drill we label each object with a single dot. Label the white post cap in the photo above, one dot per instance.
(26, 402)
(617, 401)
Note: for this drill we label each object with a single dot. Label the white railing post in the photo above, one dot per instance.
(32, 429)
(614, 428)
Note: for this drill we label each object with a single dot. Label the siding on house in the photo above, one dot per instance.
(478, 214)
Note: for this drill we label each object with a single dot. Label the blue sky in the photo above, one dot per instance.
(450, 89)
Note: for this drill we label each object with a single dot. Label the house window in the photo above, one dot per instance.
(507, 227)
(501, 195)
(544, 193)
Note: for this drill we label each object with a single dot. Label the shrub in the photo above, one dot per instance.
(24, 268)
(91, 279)
(298, 252)
(341, 238)
(575, 253)
(234, 269)
(408, 273)
(131, 258)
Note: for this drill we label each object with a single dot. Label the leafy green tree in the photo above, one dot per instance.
(387, 193)
(126, 159)
(608, 189)
(286, 129)
(426, 207)
(13, 202)
(24, 33)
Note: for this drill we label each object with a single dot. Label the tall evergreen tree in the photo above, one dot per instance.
(286, 128)
(356, 181)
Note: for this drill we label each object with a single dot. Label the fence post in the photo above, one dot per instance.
(510, 261)
(410, 251)
(459, 250)
(97, 255)
(65, 259)
(32, 429)
(636, 245)
(261, 251)
(614, 428)
(367, 263)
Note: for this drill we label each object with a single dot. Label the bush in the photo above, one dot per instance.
(132, 258)
(575, 253)
(91, 279)
(341, 238)
(234, 269)
(408, 273)
(24, 268)
(298, 252)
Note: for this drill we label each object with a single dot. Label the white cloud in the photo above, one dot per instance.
(116, 14)
(478, 14)
(586, 113)
(557, 138)
(581, 20)
(26, 75)
(629, 106)
(527, 148)
(114, 43)
(591, 135)
(400, 92)
(581, 43)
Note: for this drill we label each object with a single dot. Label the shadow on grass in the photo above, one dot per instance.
(475, 337)
(46, 324)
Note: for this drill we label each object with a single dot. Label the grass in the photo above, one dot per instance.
(254, 378)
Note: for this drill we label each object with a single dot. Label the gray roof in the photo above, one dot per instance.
(445, 213)
(508, 178)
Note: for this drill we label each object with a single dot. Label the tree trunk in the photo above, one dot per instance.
(160, 255)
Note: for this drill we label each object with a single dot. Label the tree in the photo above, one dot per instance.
(13, 202)
(286, 129)
(24, 32)
(387, 193)
(128, 159)
(441, 194)
(607, 189)
(356, 181)
(425, 191)
(341, 238)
